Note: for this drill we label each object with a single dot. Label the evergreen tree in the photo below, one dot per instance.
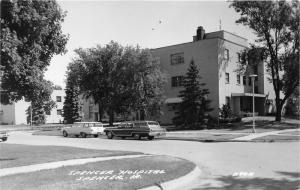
(71, 103)
(191, 111)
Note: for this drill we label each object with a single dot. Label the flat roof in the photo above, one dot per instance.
(207, 39)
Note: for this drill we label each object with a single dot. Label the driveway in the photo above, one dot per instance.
(275, 163)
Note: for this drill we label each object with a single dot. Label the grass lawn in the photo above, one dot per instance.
(291, 133)
(13, 155)
(271, 138)
(54, 132)
(112, 178)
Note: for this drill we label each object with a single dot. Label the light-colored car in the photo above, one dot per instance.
(83, 129)
(3, 135)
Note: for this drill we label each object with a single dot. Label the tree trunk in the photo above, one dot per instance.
(100, 113)
(278, 110)
(111, 117)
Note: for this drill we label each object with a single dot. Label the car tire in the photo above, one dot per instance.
(95, 136)
(65, 134)
(123, 137)
(4, 139)
(137, 136)
(83, 135)
(109, 135)
(150, 137)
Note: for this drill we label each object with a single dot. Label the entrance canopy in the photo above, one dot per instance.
(248, 94)
(173, 100)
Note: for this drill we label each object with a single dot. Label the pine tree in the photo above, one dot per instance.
(191, 111)
(71, 103)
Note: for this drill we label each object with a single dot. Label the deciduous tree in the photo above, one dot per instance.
(276, 24)
(30, 35)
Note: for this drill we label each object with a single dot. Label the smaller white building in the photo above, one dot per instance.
(15, 113)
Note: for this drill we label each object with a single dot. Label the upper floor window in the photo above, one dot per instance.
(177, 81)
(249, 81)
(58, 98)
(244, 80)
(226, 54)
(238, 79)
(239, 57)
(177, 58)
(226, 78)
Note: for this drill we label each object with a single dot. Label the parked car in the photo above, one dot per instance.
(83, 129)
(136, 129)
(3, 135)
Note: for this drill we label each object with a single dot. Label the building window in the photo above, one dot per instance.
(177, 81)
(239, 57)
(59, 112)
(177, 58)
(238, 79)
(226, 54)
(227, 78)
(227, 100)
(58, 98)
(244, 80)
(249, 81)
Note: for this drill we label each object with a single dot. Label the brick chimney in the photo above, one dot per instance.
(200, 34)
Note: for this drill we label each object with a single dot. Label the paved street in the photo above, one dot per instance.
(216, 160)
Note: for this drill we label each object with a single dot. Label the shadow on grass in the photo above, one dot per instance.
(290, 181)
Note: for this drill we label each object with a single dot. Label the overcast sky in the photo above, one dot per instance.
(150, 24)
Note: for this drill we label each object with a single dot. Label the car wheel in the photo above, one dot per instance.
(83, 135)
(65, 134)
(137, 136)
(123, 137)
(4, 139)
(95, 136)
(109, 135)
(76, 136)
(150, 137)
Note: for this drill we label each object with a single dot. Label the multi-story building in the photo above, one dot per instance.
(15, 113)
(216, 54)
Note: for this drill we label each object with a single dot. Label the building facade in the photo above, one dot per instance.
(15, 113)
(216, 54)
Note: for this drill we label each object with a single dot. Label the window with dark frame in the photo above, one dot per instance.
(177, 58)
(249, 81)
(227, 78)
(244, 80)
(58, 98)
(227, 100)
(239, 57)
(226, 54)
(238, 79)
(177, 81)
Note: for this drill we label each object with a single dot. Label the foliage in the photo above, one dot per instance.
(41, 104)
(225, 111)
(194, 106)
(71, 103)
(276, 24)
(119, 79)
(30, 35)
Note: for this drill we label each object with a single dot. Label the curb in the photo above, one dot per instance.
(179, 183)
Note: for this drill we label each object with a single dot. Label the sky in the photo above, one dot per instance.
(150, 24)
